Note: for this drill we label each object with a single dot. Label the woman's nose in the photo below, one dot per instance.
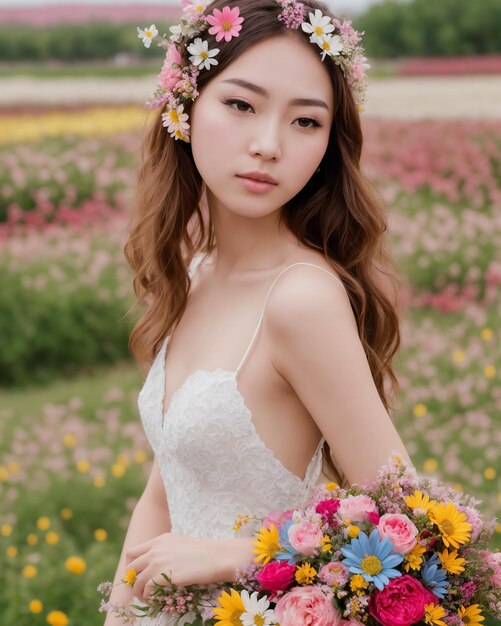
(266, 142)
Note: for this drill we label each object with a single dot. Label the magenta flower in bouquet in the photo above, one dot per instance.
(397, 551)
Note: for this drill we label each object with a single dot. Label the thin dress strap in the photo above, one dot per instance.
(266, 300)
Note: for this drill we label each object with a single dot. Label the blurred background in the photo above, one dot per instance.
(73, 455)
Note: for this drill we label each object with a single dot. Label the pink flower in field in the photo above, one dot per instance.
(400, 530)
(306, 538)
(225, 23)
(304, 606)
(356, 508)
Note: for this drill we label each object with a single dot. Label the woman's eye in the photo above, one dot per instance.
(240, 104)
(314, 123)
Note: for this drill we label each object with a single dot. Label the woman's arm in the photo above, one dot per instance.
(149, 519)
(316, 347)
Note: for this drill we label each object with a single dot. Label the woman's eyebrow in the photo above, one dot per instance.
(262, 92)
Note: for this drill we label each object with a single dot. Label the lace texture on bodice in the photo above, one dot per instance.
(213, 463)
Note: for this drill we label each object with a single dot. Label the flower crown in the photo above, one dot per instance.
(177, 81)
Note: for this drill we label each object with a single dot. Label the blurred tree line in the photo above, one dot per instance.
(397, 28)
(74, 42)
(393, 28)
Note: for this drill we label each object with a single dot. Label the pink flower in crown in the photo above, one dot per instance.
(225, 23)
(170, 76)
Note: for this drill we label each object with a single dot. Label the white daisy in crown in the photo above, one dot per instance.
(331, 45)
(175, 121)
(201, 56)
(318, 25)
(256, 611)
(147, 35)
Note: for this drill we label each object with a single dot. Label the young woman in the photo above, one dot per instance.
(258, 241)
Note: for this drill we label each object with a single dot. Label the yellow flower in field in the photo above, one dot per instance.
(497, 528)
(489, 473)
(413, 559)
(11, 551)
(140, 456)
(83, 466)
(6, 530)
(124, 459)
(14, 467)
(29, 571)
(57, 618)
(66, 513)
(353, 531)
(35, 606)
(43, 523)
(471, 614)
(358, 582)
(51, 538)
(420, 410)
(430, 465)
(118, 470)
(100, 534)
(267, 544)
(452, 524)
(130, 576)
(489, 371)
(4, 473)
(75, 565)
(230, 609)
(99, 482)
(69, 440)
(486, 333)
(305, 574)
(419, 500)
(451, 562)
(433, 613)
(458, 356)
(32, 539)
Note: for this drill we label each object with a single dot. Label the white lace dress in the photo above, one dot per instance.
(213, 463)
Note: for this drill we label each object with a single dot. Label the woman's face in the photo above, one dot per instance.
(268, 113)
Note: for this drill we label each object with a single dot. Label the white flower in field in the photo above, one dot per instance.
(318, 26)
(147, 35)
(201, 56)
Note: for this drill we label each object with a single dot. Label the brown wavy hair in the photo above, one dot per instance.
(337, 213)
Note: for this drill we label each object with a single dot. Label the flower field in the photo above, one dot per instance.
(73, 456)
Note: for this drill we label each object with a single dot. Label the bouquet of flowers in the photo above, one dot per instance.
(400, 550)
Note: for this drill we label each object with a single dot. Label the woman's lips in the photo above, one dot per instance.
(257, 186)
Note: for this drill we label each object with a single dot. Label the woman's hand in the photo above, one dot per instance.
(187, 560)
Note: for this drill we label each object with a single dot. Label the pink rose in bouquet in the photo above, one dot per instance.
(401, 602)
(306, 538)
(400, 530)
(276, 576)
(356, 508)
(334, 573)
(493, 560)
(304, 606)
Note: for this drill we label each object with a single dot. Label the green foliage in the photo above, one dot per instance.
(422, 28)
(50, 332)
(72, 42)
